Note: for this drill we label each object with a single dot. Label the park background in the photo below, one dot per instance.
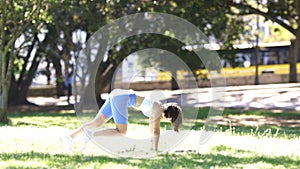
(257, 41)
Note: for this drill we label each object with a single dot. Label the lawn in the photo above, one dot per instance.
(31, 141)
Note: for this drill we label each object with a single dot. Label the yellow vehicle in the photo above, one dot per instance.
(271, 58)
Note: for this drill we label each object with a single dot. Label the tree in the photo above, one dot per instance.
(283, 12)
(70, 17)
(59, 20)
(16, 17)
(225, 29)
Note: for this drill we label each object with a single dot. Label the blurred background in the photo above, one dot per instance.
(40, 41)
(258, 44)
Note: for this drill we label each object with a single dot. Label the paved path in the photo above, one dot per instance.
(272, 96)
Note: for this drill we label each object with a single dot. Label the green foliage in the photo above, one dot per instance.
(284, 8)
(58, 20)
(17, 17)
(283, 12)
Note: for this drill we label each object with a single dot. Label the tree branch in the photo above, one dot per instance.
(16, 34)
(267, 15)
(22, 74)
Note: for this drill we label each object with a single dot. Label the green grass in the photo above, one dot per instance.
(22, 152)
(265, 130)
(203, 112)
(44, 119)
(193, 120)
(220, 157)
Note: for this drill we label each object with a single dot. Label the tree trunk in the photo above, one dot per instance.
(7, 67)
(3, 107)
(3, 103)
(293, 61)
(103, 79)
(59, 76)
(174, 84)
(294, 51)
(6, 73)
(21, 88)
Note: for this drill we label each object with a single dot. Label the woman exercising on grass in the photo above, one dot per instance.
(116, 107)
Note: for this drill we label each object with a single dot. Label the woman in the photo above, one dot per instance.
(116, 107)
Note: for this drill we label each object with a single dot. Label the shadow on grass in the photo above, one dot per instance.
(194, 119)
(185, 160)
(256, 131)
(41, 114)
(203, 113)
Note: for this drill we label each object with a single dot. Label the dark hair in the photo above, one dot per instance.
(171, 112)
(174, 112)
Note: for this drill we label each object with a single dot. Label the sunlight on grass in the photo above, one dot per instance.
(32, 141)
(41, 148)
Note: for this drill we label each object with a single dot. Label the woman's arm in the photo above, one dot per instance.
(154, 124)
